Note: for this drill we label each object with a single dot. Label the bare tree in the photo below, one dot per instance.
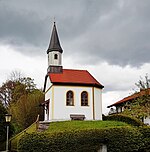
(143, 84)
(15, 75)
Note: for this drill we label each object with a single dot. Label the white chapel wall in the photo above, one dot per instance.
(47, 88)
(61, 111)
(48, 94)
(98, 103)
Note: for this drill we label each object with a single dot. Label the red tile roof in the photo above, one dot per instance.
(129, 98)
(74, 77)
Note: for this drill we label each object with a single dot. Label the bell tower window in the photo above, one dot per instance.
(55, 56)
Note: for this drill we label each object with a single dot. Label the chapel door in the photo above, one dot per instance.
(47, 110)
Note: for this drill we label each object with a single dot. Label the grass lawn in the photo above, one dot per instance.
(78, 125)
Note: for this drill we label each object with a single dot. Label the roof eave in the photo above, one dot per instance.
(78, 84)
(54, 49)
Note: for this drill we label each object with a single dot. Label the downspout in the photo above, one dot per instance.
(93, 104)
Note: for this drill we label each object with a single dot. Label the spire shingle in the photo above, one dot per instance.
(54, 41)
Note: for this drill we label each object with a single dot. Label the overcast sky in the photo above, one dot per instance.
(109, 38)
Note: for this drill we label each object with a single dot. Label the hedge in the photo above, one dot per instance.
(146, 139)
(124, 118)
(14, 140)
(121, 139)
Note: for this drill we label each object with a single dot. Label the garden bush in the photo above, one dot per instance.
(146, 139)
(122, 139)
(14, 140)
(124, 118)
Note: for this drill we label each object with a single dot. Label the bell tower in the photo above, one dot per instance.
(54, 52)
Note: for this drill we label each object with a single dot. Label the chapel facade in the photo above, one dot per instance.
(69, 93)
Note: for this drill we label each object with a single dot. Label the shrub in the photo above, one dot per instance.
(117, 139)
(124, 118)
(145, 138)
(14, 140)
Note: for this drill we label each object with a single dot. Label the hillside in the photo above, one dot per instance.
(79, 125)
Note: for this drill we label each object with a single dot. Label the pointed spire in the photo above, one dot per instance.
(54, 42)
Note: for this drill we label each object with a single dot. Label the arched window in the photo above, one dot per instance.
(69, 98)
(84, 98)
(55, 56)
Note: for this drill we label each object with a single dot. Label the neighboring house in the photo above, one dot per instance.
(125, 103)
(69, 93)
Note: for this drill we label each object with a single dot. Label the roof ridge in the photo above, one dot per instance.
(130, 97)
(136, 93)
(75, 69)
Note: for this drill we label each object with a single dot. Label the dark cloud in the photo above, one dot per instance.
(115, 31)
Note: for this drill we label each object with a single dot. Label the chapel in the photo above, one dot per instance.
(70, 94)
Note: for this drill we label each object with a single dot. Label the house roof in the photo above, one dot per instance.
(54, 41)
(129, 98)
(74, 77)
